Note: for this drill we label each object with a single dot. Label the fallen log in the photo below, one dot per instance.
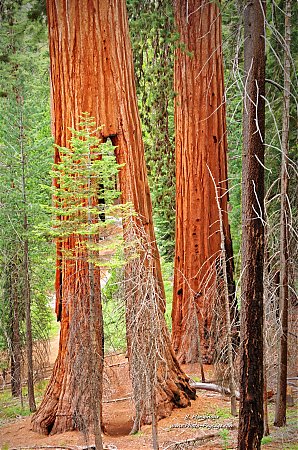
(213, 387)
(190, 441)
(114, 400)
(122, 363)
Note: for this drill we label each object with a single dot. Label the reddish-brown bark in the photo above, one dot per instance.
(251, 413)
(92, 71)
(200, 143)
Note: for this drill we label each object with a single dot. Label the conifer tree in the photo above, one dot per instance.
(24, 137)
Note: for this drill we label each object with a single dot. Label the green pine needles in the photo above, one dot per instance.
(86, 198)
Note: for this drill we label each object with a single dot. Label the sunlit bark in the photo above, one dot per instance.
(201, 143)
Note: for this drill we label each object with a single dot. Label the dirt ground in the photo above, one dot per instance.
(118, 414)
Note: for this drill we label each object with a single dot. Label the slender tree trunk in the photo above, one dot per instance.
(27, 289)
(200, 127)
(227, 305)
(155, 443)
(96, 354)
(96, 351)
(281, 400)
(92, 71)
(251, 376)
(265, 324)
(16, 350)
(266, 416)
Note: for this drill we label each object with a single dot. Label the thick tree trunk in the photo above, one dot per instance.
(200, 143)
(68, 401)
(173, 388)
(281, 400)
(92, 71)
(251, 371)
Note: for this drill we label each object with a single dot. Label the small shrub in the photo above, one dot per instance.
(266, 440)
(225, 435)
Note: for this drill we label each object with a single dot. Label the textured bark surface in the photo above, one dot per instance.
(200, 142)
(281, 399)
(173, 389)
(251, 369)
(68, 400)
(92, 71)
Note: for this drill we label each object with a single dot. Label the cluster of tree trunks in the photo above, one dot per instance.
(92, 71)
(201, 144)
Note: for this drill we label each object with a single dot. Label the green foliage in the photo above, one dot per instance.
(223, 413)
(85, 196)
(225, 435)
(25, 125)
(266, 440)
(114, 311)
(10, 407)
(54, 326)
(231, 32)
(14, 410)
(167, 273)
(86, 206)
(232, 29)
(153, 41)
(114, 307)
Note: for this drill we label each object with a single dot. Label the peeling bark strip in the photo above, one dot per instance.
(200, 128)
(251, 375)
(92, 71)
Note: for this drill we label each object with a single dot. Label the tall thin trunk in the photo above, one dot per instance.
(155, 443)
(27, 289)
(266, 415)
(95, 355)
(13, 277)
(228, 322)
(200, 134)
(265, 324)
(16, 350)
(281, 400)
(251, 370)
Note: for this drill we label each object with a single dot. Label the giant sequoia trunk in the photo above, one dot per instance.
(251, 370)
(92, 71)
(200, 144)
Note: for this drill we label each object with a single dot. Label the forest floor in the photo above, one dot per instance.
(219, 430)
